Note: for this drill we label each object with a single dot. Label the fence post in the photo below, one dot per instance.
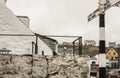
(80, 45)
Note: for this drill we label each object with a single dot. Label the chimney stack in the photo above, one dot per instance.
(3, 2)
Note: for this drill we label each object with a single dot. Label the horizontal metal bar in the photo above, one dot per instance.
(35, 35)
(60, 36)
(16, 35)
(77, 39)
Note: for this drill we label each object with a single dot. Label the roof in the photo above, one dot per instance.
(9, 24)
(15, 36)
(112, 53)
(47, 38)
(23, 17)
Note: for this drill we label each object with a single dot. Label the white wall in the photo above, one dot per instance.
(11, 25)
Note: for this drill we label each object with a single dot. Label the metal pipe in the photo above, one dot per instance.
(33, 47)
(36, 45)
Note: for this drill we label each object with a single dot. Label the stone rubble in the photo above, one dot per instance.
(38, 66)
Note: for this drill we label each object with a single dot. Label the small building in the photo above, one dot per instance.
(118, 45)
(112, 54)
(112, 44)
(16, 37)
(89, 43)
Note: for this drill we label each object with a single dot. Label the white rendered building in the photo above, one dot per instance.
(15, 36)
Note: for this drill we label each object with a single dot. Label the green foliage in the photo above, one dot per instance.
(90, 50)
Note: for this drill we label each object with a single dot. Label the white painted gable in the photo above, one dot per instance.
(11, 25)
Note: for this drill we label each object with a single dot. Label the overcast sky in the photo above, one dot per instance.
(67, 17)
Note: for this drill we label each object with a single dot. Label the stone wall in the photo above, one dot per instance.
(37, 66)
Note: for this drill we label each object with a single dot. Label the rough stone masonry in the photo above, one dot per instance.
(38, 66)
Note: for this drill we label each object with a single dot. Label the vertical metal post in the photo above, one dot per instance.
(73, 48)
(36, 45)
(80, 45)
(32, 47)
(43, 53)
(118, 57)
(118, 50)
(102, 56)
